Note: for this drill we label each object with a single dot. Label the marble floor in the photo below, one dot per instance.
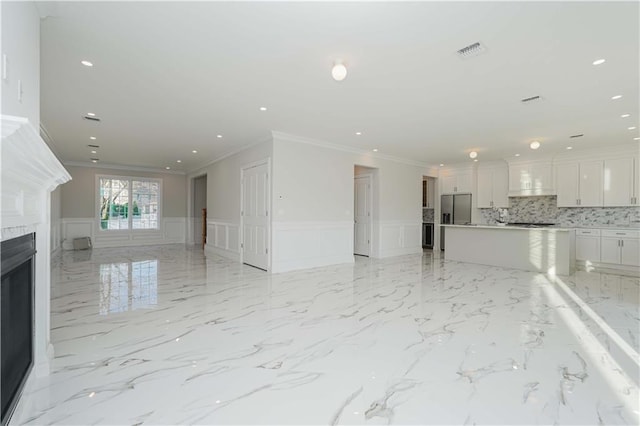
(165, 335)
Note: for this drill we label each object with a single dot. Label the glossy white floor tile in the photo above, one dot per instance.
(166, 336)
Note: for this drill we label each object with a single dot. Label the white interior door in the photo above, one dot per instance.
(255, 216)
(362, 216)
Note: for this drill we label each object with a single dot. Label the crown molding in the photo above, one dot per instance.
(338, 147)
(201, 169)
(121, 167)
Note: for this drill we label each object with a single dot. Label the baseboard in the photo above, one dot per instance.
(227, 254)
(314, 262)
(401, 251)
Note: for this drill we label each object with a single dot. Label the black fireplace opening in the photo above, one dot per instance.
(17, 257)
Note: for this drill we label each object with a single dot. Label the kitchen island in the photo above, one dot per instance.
(549, 249)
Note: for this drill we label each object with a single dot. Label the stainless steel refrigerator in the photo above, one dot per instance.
(456, 210)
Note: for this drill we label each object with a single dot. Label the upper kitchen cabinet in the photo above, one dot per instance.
(621, 181)
(530, 178)
(455, 181)
(493, 186)
(579, 183)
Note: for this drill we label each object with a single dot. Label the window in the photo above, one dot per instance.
(128, 203)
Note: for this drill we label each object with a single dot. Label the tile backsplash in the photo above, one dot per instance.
(545, 210)
(427, 215)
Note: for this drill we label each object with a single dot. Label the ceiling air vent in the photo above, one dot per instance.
(93, 146)
(576, 136)
(532, 99)
(96, 119)
(471, 50)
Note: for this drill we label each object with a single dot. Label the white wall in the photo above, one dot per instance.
(21, 44)
(223, 198)
(313, 204)
(199, 203)
(56, 219)
(79, 203)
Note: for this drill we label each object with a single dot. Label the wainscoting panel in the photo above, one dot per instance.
(223, 238)
(399, 238)
(172, 230)
(299, 245)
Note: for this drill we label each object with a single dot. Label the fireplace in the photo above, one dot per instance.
(17, 312)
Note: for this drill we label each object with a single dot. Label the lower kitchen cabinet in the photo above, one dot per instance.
(588, 245)
(620, 247)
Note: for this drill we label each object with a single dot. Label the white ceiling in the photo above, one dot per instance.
(169, 77)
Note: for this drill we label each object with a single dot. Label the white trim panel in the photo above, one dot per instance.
(300, 245)
(172, 230)
(399, 238)
(223, 239)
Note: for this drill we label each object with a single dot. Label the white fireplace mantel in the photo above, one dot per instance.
(29, 172)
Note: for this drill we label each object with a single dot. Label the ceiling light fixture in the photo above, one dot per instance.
(93, 138)
(219, 136)
(534, 145)
(473, 154)
(517, 155)
(375, 149)
(263, 108)
(94, 160)
(94, 151)
(636, 139)
(358, 133)
(616, 97)
(624, 115)
(569, 147)
(91, 114)
(441, 165)
(339, 71)
(476, 160)
(631, 128)
(168, 168)
(599, 62)
(86, 63)
(194, 151)
(178, 161)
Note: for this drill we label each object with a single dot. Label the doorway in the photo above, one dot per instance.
(254, 215)
(199, 209)
(363, 199)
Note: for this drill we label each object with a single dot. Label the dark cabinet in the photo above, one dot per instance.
(427, 235)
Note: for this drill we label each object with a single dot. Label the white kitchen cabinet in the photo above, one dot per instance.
(456, 181)
(620, 247)
(579, 184)
(531, 178)
(619, 188)
(588, 245)
(493, 187)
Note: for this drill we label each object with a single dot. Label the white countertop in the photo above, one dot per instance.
(519, 228)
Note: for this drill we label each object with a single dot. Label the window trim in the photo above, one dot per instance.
(97, 201)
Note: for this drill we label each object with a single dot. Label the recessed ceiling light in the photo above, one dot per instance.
(475, 160)
(625, 115)
(86, 63)
(441, 165)
(358, 133)
(636, 139)
(616, 97)
(94, 160)
(194, 151)
(168, 168)
(178, 161)
(94, 152)
(91, 114)
(219, 136)
(517, 155)
(93, 138)
(263, 108)
(631, 128)
(569, 147)
(375, 149)
(473, 154)
(598, 62)
(534, 145)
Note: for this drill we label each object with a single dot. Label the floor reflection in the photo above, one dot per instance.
(128, 286)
